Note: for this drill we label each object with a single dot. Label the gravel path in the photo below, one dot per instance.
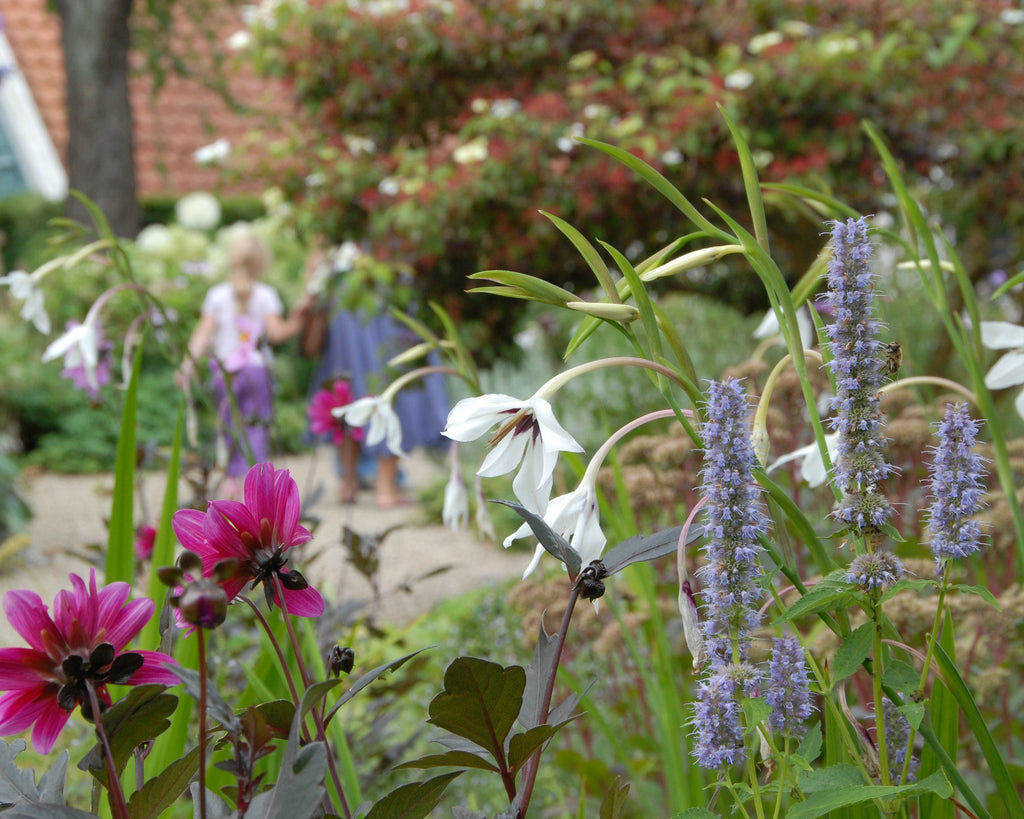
(420, 564)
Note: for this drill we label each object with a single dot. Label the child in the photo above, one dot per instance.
(238, 318)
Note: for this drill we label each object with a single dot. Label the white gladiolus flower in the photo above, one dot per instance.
(455, 512)
(377, 414)
(1008, 371)
(528, 434)
(812, 467)
(79, 345)
(575, 517)
(25, 287)
(769, 327)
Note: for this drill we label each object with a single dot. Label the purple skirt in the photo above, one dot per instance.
(253, 392)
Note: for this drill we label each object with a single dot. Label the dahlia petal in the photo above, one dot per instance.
(128, 621)
(19, 709)
(51, 720)
(110, 605)
(305, 602)
(258, 491)
(27, 615)
(22, 668)
(154, 669)
(190, 528)
(223, 523)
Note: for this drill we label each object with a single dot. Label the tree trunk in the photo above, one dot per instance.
(101, 160)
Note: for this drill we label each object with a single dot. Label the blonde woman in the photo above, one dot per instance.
(239, 319)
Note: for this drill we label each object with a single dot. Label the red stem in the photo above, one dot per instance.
(117, 803)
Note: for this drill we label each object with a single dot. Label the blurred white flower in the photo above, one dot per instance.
(360, 145)
(1012, 17)
(812, 467)
(672, 156)
(472, 151)
(796, 28)
(198, 211)
(455, 512)
(739, 80)
(388, 186)
(505, 107)
(344, 258)
(1008, 371)
(213, 153)
(25, 287)
(575, 517)
(769, 326)
(834, 46)
(155, 240)
(238, 41)
(377, 414)
(528, 434)
(759, 42)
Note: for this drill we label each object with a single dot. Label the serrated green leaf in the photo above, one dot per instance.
(522, 746)
(755, 711)
(810, 746)
(450, 759)
(852, 652)
(982, 592)
(413, 801)
(480, 702)
(917, 584)
(901, 676)
(163, 790)
(828, 595)
(914, 712)
(832, 776)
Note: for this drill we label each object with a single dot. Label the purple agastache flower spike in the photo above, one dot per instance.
(857, 366)
(789, 690)
(897, 735)
(957, 486)
(874, 570)
(717, 732)
(733, 520)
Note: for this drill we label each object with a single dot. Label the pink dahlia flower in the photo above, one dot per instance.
(81, 645)
(322, 421)
(256, 533)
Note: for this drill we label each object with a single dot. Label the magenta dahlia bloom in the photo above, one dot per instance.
(81, 645)
(323, 421)
(256, 533)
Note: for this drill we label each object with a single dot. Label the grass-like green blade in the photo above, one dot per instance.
(751, 183)
(589, 254)
(946, 722)
(120, 563)
(997, 767)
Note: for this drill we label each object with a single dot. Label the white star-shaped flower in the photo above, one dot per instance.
(812, 467)
(1008, 371)
(25, 286)
(377, 412)
(80, 348)
(575, 517)
(528, 434)
(455, 512)
(769, 326)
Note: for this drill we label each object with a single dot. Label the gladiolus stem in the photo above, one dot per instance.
(201, 645)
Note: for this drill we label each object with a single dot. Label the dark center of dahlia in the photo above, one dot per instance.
(101, 667)
(275, 565)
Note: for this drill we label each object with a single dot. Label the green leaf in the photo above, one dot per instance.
(163, 790)
(918, 584)
(901, 676)
(120, 563)
(997, 766)
(614, 799)
(300, 790)
(751, 184)
(42, 810)
(215, 705)
(451, 759)
(695, 813)
(139, 717)
(810, 746)
(755, 711)
(480, 702)
(589, 254)
(522, 746)
(853, 651)
(413, 801)
(548, 537)
(538, 674)
(839, 796)
(643, 303)
(831, 594)
(538, 289)
(833, 776)
(982, 592)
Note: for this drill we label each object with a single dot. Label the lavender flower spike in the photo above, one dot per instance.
(717, 732)
(733, 520)
(857, 366)
(957, 486)
(789, 690)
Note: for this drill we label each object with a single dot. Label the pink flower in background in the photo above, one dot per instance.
(256, 533)
(145, 538)
(81, 645)
(248, 339)
(321, 419)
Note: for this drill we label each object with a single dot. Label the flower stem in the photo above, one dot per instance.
(117, 804)
(201, 644)
(277, 648)
(532, 765)
(876, 684)
(321, 734)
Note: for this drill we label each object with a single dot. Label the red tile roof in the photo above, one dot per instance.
(169, 127)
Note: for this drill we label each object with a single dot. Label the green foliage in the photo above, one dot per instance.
(24, 220)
